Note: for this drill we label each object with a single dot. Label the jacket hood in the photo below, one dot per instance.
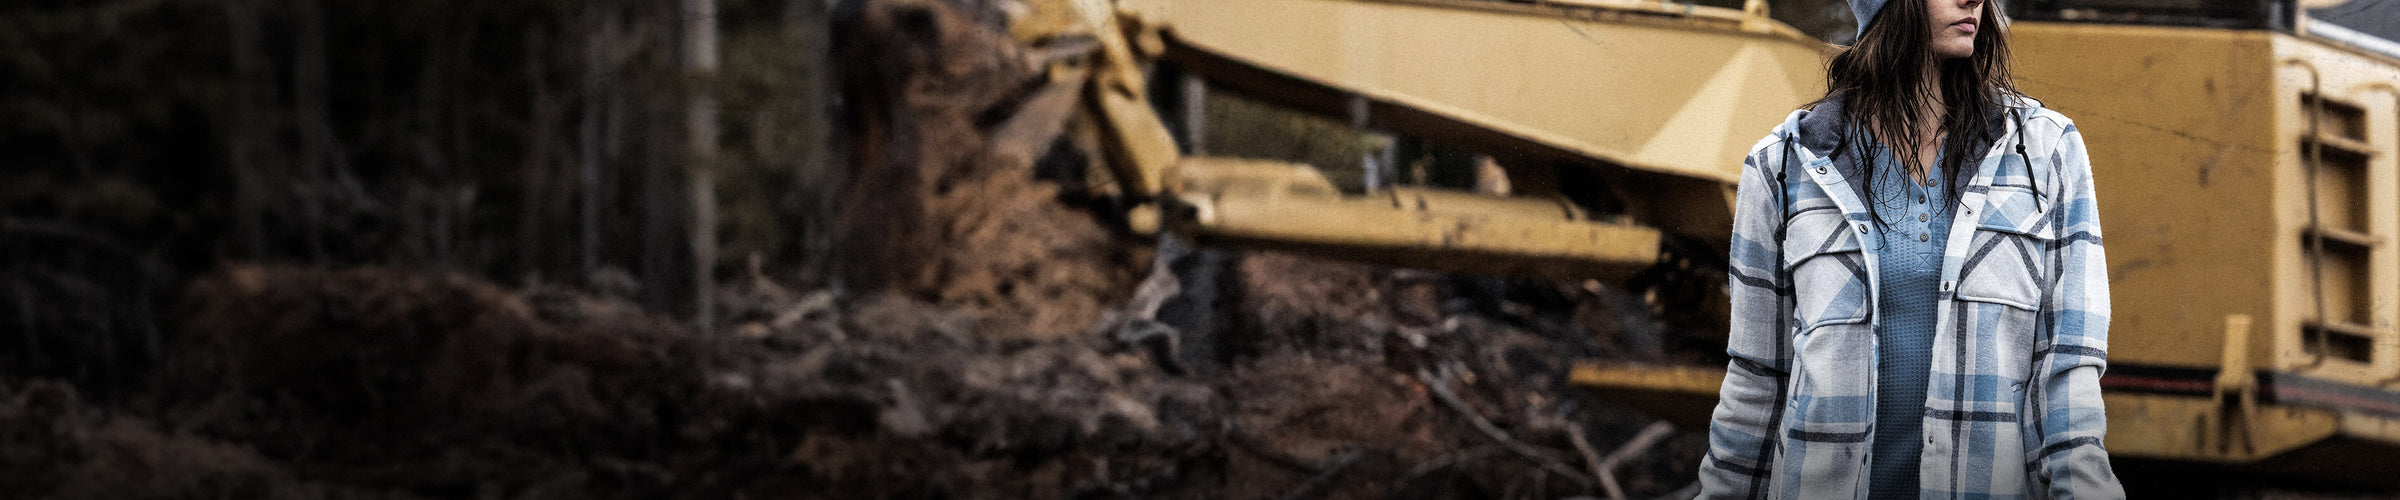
(1821, 129)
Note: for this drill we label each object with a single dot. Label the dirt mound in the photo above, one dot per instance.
(933, 207)
(373, 342)
(430, 383)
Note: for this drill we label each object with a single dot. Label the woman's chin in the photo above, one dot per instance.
(1954, 51)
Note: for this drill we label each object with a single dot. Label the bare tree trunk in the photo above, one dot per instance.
(422, 213)
(244, 149)
(312, 124)
(595, 53)
(817, 179)
(700, 64)
(535, 202)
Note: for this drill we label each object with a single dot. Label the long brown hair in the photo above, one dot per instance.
(1882, 76)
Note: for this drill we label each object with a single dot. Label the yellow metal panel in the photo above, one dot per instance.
(1249, 178)
(1409, 228)
(2369, 427)
(2367, 82)
(2184, 428)
(2179, 124)
(1462, 202)
(1680, 95)
(1682, 394)
(2152, 426)
(2281, 429)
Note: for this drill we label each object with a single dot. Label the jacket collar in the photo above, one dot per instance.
(1813, 136)
(1821, 129)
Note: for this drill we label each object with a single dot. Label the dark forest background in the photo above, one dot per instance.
(537, 142)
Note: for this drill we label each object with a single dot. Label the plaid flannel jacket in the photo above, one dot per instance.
(2013, 406)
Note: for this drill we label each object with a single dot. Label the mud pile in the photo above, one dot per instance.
(936, 205)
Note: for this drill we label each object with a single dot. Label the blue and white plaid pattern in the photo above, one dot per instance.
(2013, 409)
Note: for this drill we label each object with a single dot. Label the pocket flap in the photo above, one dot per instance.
(2014, 209)
(1818, 232)
(2004, 264)
(2009, 288)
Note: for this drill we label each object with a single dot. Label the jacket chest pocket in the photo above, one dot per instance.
(2003, 281)
(2007, 259)
(1827, 269)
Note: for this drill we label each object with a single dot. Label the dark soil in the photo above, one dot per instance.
(385, 383)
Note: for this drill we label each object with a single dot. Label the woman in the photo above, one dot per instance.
(1920, 300)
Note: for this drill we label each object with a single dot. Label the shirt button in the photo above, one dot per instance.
(1921, 237)
(1920, 199)
(1820, 170)
(1923, 217)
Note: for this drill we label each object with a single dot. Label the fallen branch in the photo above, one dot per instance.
(1606, 468)
(1440, 387)
(1445, 461)
(1591, 459)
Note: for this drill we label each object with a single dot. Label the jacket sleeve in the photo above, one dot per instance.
(2070, 421)
(1742, 431)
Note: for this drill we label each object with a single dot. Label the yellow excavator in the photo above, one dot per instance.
(2245, 154)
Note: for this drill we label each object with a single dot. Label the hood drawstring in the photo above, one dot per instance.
(2034, 182)
(1783, 209)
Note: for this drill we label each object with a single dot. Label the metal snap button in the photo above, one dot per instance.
(1923, 217)
(1922, 237)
